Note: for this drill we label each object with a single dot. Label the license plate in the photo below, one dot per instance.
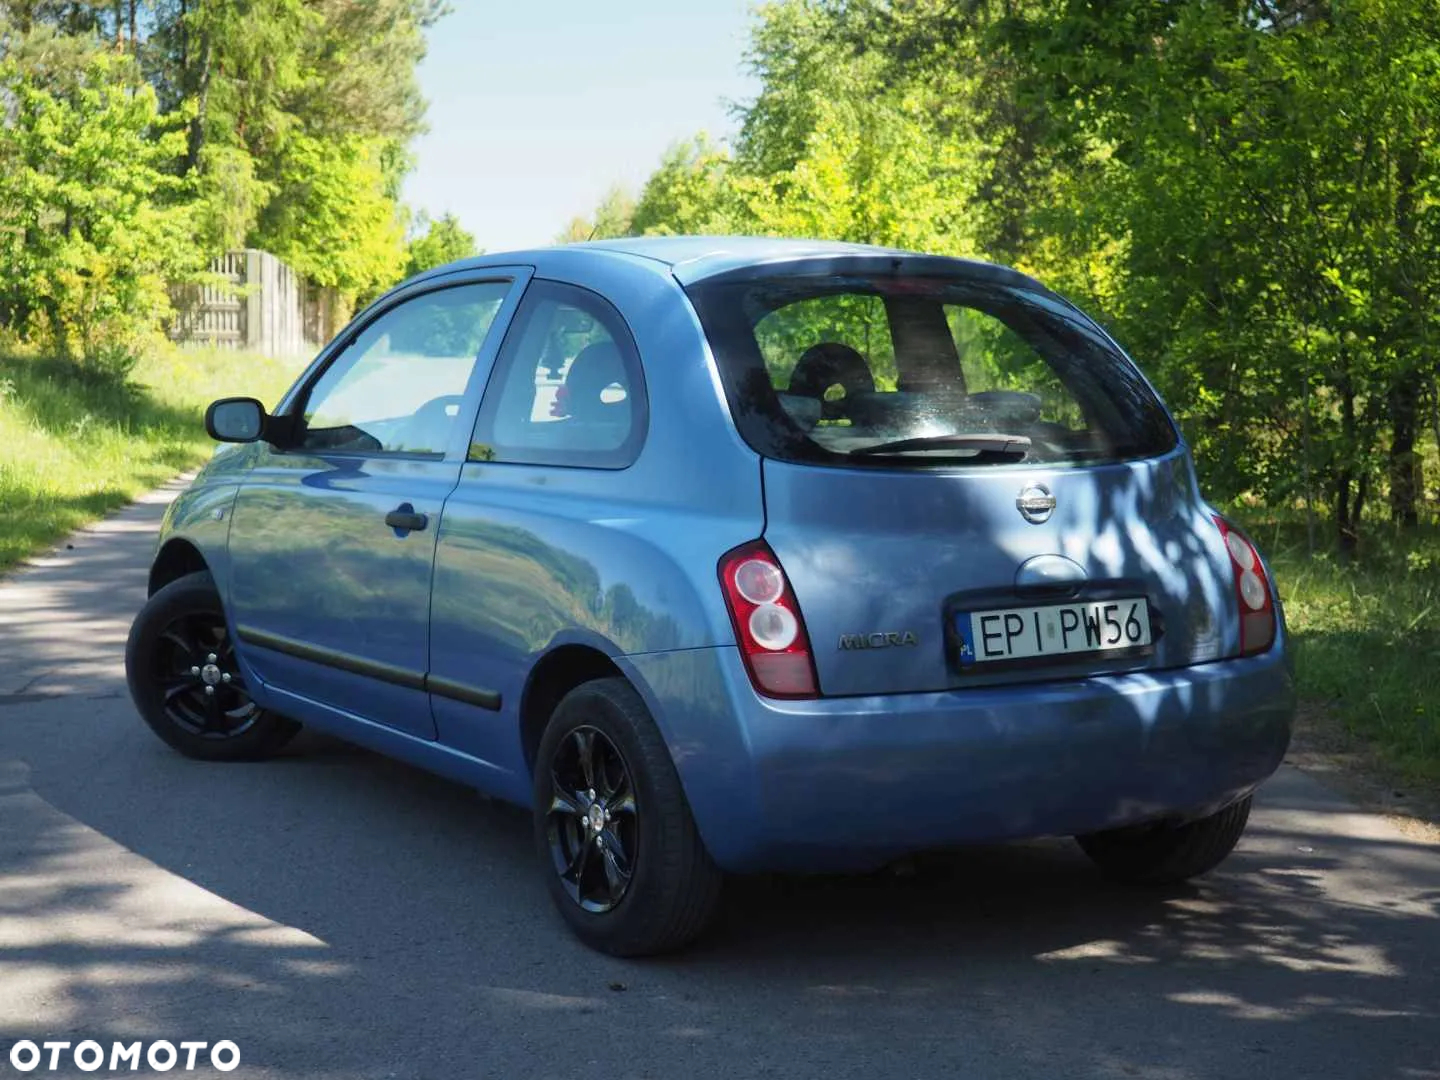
(1030, 633)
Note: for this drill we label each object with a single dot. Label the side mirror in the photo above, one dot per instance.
(235, 420)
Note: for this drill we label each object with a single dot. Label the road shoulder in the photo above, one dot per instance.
(1322, 749)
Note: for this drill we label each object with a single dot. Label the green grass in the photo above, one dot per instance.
(74, 448)
(1367, 641)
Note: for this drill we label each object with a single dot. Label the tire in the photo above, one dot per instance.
(673, 889)
(169, 669)
(1168, 854)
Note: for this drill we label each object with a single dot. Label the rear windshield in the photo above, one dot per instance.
(903, 372)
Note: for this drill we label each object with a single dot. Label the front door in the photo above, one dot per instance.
(332, 543)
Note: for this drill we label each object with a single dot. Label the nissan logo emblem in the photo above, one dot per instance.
(1035, 503)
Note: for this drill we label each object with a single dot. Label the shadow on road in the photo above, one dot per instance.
(376, 907)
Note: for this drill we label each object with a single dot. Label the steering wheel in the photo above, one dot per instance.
(428, 429)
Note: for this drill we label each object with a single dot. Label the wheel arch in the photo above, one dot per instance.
(554, 675)
(176, 558)
(687, 697)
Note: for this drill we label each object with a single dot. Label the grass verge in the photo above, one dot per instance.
(73, 448)
(1367, 639)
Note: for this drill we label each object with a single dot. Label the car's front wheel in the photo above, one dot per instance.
(1164, 854)
(183, 677)
(625, 864)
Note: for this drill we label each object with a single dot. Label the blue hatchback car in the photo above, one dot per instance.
(731, 555)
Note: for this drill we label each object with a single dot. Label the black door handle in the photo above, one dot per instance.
(404, 519)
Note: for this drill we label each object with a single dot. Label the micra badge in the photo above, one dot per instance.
(878, 640)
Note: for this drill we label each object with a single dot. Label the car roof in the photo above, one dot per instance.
(695, 258)
(675, 251)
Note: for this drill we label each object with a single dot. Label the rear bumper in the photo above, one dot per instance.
(850, 783)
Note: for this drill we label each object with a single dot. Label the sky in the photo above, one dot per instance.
(539, 107)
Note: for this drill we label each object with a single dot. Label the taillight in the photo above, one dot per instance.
(768, 627)
(1252, 591)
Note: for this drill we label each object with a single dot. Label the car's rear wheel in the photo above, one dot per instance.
(624, 862)
(184, 679)
(1164, 854)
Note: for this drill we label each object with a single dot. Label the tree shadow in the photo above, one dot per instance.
(382, 915)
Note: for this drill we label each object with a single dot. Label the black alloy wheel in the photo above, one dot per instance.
(622, 856)
(593, 820)
(187, 683)
(202, 688)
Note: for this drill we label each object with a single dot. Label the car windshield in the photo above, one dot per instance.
(905, 371)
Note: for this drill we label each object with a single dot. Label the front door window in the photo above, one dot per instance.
(398, 387)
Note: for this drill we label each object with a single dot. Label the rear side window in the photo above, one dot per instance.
(567, 389)
(911, 372)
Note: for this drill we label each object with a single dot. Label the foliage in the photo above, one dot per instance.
(858, 320)
(93, 222)
(436, 243)
(1266, 196)
(1248, 193)
(337, 226)
(687, 195)
(613, 217)
(142, 138)
(834, 147)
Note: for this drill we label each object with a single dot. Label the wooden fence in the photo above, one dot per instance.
(257, 303)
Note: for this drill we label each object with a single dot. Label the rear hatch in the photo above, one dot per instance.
(966, 482)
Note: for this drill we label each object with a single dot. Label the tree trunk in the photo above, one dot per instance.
(1305, 468)
(59, 331)
(202, 86)
(1357, 509)
(1345, 538)
(1435, 412)
(1404, 397)
(1404, 465)
(1347, 509)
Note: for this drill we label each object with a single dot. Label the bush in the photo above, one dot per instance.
(93, 219)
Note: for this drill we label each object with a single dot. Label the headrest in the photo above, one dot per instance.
(598, 366)
(831, 362)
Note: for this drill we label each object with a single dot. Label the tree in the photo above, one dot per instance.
(436, 243)
(301, 110)
(1258, 176)
(295, 114)
(93, 219)
(337, 224)
(690, 193)
(1247, 191)
(612, 218)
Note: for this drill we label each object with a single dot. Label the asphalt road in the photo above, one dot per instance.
(336, 914)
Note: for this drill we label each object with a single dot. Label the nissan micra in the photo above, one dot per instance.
(730, 555)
